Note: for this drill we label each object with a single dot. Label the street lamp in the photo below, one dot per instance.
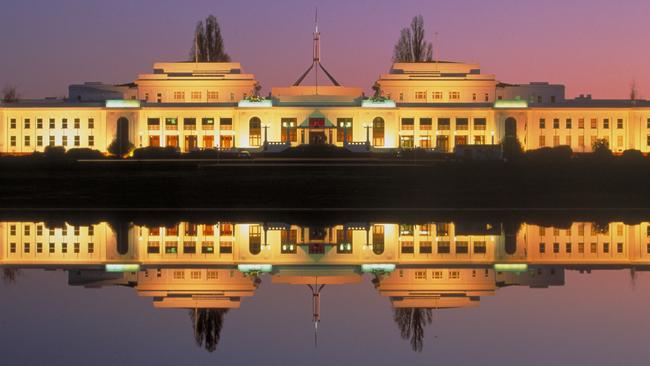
(492, 133)
(367, 126)
(266, 141)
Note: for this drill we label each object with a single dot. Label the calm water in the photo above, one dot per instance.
(456, 292)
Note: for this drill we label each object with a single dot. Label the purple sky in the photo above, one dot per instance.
(592, 46)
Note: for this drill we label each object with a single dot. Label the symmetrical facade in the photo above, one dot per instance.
(437, 105)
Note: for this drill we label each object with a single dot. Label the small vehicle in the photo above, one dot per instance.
(244, 154)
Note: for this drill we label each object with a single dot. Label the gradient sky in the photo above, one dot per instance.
(592, 46)
(595, 319)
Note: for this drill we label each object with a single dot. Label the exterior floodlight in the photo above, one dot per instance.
(122, 103)
(511, 267)
(246, 268)
(371, 268)
(510, 104)
(120, 268)
(378, 104)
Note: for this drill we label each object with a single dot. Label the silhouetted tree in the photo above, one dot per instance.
(411, 46)
(207, 324)
(207, 44)
(512, 149)
(9, 275)
(10, 94)
(601, 148)
(120, 148)
(411, 323)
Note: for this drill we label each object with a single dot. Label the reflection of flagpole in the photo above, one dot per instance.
(196, 47)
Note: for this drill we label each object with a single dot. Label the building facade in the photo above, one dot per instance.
(437, 105)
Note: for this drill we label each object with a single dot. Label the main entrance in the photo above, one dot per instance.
(317, 137)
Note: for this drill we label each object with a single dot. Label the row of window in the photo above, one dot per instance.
(27, 230)
(439, 275)
(461, 124)
(594, 230)
(568, 123)
(197, 96)
(27, 123)
(593, 248)
(27, 141)
(443, 247)
(76, 248)
(568, 141)
(439, 95)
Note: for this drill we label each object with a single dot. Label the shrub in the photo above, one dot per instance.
(601, 149)
(550, 154)
(632, 155)
(120, 149)
(84, 153)
(152, 152)
(54, 152)
(512, 149)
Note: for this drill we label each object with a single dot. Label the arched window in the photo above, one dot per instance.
(511, 127)
(255, 131)
(378, 131)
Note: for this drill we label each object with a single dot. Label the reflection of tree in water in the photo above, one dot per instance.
(9, 275)
(411, 323)
(207, 324)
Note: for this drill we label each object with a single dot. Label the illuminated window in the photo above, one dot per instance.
(426, 124)
(207, 123)
(378, 131)
(454, 95)
(581, 141)
(171, 247)
(213, 95)
(171, 123)
(420, 95)
(178, 275)
(454, 275)
(255, 132)
(437, 95)
(289, 129)
(196, 95)
(581, 123)
(619, 141)
(207, 247)
(567, 140)
(420, 275)
(594, 123)
(179, 95)
(408, 123)
(542, 141)
(344, 129)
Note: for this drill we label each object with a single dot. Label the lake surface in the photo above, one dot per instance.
(427, 289)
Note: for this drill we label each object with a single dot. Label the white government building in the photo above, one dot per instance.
(434, 105)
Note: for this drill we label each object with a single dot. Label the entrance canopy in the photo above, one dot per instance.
(316, 120)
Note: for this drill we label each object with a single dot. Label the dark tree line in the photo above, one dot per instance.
(207, 324)
(207, 43)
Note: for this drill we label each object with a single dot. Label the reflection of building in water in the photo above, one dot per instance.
(188, 288)
(440, 288)
(223, 243)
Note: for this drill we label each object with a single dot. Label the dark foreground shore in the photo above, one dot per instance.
(311, 184)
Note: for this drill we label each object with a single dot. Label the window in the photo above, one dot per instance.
(52, 142)
(425, 124)
(542, 123)
(444, 124)
(26, 229)
(605, 247)
(408, 123)
(581, 123)
(486, 97)
(568, 247)
(91, 140)
(255, 131)
(480, 247)
(606, 123)
(426, 247)
(542, 247)
(91, 230)
(179, 96)
(344, 129)
(290, 130)
(619, 123)
(378, 131)
(39, 247)
(619, 248)
(12, 141)
(39, 230)
(207, 123)
(568, 123)
(64, 140)
(443, 247)
(594, 123)
(480, 124)
(462, 247)
(232, 97)
(437, 95)
(76, 248)
(567, 140)
(420, 95)
(77, 123)
(454, 275)
(647, 125)
(12, 123)
(64, 247)
(39, 140)
(91, 123)
(51, 248)
(454, 95)
(91, 248)
(171, 123)
(52, 123)
(556, 247)
(225, 124)
(27, 141)
(76, 141)
(462, 124)
(556, 123)
(27, 123)
(401, 97)
(64, 123)
(196, 95)
(213, 95)
(39, 123)
(153, 123)
(189, 124)
(542, 141)
(12, 248)
(556, 140)
(581, 141)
